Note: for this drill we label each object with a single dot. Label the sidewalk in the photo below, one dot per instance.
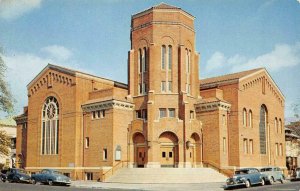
(152, 187)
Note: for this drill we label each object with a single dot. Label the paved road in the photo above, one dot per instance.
(30, 187)
(289, 186)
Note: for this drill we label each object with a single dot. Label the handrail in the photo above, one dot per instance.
(216, 167)
(113, 169)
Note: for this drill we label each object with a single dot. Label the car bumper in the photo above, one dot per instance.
(234, 184)
(62, 182)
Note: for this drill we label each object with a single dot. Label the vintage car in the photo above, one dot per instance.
(17, 175)
(50, 177)
(246, 177)
(296, 174)
(273, 174)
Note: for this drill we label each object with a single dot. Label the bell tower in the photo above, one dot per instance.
(163, 76)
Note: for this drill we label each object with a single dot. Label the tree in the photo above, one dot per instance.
(4, 143)
(6, 105)
(6, 100)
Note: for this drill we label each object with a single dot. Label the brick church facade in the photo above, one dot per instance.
(85, 125)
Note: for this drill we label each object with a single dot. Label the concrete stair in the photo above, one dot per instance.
(166, 175)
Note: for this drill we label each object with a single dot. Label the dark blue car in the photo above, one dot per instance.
(49, 176)
(246, 177)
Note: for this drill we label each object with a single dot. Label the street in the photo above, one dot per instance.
(288, 186)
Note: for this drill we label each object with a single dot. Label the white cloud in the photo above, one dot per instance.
(298, 1)
(11, 9)
(58, 52)
(282, 56)
(216, 61)
(24, 67)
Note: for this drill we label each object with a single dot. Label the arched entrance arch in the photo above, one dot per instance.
(140, 152)
(194, 150)
(169, 155)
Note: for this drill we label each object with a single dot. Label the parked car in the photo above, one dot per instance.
(296, 174)
(273, 174)
(17, 175)
(49, 176)
(246, 177)
(3, 175)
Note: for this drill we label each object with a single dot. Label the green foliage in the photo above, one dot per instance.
(4, 143)
(6, 100)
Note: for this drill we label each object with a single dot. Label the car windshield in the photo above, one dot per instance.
(242, 172)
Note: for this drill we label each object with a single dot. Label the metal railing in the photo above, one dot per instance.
(114, 169)
(215, 166)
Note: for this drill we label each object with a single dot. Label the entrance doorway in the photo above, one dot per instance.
(168, 150)
(140, 152)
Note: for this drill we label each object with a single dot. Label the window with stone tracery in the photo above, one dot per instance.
(50, 121)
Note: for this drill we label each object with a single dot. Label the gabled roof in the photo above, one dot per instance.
(161, 6)
(74, 73)
(229, 77)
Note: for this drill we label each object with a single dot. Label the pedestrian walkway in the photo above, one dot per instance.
(216, 186)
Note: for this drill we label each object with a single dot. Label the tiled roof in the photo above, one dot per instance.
(165, 6)
(8, 122)
(228, 77)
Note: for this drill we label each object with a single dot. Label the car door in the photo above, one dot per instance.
(255, 175)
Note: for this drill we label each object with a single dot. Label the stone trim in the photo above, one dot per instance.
(216, 105)
(163, 23)
(109, 104)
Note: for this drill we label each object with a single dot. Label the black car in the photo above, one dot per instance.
(17, 175)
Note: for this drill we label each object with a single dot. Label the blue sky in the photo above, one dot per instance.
(94, 36)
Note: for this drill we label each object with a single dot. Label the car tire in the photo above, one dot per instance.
(271, 181)
(263, 182)
(33, 181)
(50, 182)
(247, 184)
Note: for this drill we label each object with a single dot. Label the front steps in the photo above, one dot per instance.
(166, 175)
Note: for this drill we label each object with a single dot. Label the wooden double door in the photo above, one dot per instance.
(168, 156)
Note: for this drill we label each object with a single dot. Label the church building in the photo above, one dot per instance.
(84, 125)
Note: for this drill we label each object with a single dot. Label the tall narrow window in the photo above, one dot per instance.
(50, 121)
(140, 61)
(251, 146)
(192, 114)
(163, 57)
(104, 154)
(163, 86)
(144, 60)
(262, 129)
(250, 119)
(187, 60)
(276, 125)
(244, 117)
(245, 146)
(170, 86)
(280, 149)
(87, 142)
(170, 58)
(224, 145)
(276, 149)
(280, 126)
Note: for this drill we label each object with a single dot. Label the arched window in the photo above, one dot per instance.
(263, 119)
(250, 118)
(140, 57)
(170, 57)
(144, 63)
(50, 121)
(244, 117)
(276, 125)
(163, 57)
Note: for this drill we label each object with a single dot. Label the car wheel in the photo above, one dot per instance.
(262, 182)
(33, 181)
(281, 180)
(50, 182)
(271, 181)
(247, 184)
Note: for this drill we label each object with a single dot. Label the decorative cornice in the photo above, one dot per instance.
(162, 23)
(21, 119)
(211, 106)
(109, 104)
